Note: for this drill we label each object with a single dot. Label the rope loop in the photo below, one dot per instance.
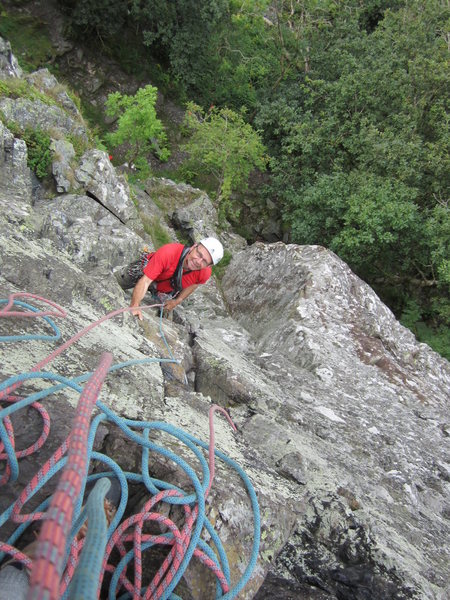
(85, 546)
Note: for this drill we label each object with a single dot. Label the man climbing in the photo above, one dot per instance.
(174, 271)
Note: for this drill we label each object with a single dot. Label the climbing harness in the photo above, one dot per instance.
(71, 564)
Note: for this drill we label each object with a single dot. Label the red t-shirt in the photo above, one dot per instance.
(163, 263)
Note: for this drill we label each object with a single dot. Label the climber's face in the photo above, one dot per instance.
(197, 258)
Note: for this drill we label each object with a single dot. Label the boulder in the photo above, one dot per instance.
(39, 115)
(96, 175)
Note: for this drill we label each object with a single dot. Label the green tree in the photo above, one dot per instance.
(138, 127)
(103, 18)
(178, 34)
(437, 235)
(242, 55)
(369, 112)
(224, 146)
(369, 221)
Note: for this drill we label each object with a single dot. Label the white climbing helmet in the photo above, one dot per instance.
(214, 247)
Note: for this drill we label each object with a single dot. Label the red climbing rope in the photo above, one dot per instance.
(48, 563)
(7, 312)
(26, 493)
(69, 342)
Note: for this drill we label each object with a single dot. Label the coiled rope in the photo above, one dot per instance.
(70, 565)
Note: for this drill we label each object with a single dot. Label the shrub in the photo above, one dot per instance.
(39, 153)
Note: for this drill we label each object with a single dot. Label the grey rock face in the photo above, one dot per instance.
(57, 120)
(97, 176)
(88, 232)
(15, 176)
(47, 83)
(62, 171)
(150, 214)
(347, 454)
(9, 67)
(189, 210)
(363, 408)
(37, 114)
(172, 195)
(186, 218)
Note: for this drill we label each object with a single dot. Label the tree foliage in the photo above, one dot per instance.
(102, 18)
(138, 127)
(39, 153)
(179, 32)
(223, 145)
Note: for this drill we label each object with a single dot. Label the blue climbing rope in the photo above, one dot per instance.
(87, 573)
